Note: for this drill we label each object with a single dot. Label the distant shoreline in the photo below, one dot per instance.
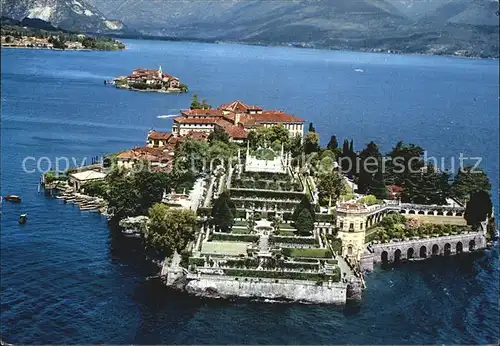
(8, 46)
(292, 45)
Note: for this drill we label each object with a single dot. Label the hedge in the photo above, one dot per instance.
(292, 240)
(324, 217)
(198, 261)
(316, 253)
(283, 275)
(249, 238)
(298, 265)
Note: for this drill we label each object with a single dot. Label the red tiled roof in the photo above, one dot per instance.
(198, 135)
(188, 120)
(145, 153)
(276, 117)
(235, 106)
(159, 135)
(236, 131)
(207, 112)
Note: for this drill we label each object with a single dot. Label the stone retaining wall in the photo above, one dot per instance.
(295, 290)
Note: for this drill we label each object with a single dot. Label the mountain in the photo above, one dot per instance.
(467, 27)
(75, 15)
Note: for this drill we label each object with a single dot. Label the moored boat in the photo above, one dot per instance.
(13, 198)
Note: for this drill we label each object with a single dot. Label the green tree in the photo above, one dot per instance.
(304, 222)
(333, 144)
(219, 134)
(195, 102)
(478, 209)
(205, 105)
(311, 128)
(468, 181)
(150, 187)
(426, 187)
(378, 187)
(223, 212)
(96, 188)
(122, 196)
(331, 185)
(305, 203)
(404, 160)
(311, 143)
(295, 146)
(170, 229)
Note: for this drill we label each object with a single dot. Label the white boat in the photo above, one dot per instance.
(358, 70)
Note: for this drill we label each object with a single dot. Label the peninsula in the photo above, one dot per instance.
(240, 201)
(150, 80)
(38, 34)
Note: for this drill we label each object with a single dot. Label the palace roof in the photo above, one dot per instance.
(159, 135)
(236, 131)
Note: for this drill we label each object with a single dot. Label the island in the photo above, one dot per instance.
(150, 80)
(240, 201)
(38, 34)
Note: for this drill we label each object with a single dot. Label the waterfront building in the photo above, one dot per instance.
(237, 119)
(79, 179)
(156, 157)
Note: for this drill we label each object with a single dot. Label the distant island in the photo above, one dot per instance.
(38, 34)
(150, 80)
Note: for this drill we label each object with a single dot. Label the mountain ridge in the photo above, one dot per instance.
(76, 15)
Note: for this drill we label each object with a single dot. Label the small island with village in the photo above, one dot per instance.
(150, 80)
(240, 201)
(38, 34)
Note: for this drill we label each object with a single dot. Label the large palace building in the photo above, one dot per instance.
(237, 118)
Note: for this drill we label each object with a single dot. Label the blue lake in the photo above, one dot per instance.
(65, 278)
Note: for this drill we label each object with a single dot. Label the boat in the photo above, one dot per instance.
(358, 70)
(13, 198)
(22, 218)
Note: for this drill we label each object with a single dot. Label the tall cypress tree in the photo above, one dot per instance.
(478, 208)
(311, 127)
(224, 218)
(345, 148)
(378, 187)
(304, 222)
(333, 144)
(305, 203)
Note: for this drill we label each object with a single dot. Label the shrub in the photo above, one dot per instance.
(368, 200)
(197, 261)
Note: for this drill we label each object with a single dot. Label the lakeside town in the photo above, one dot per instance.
(38, 34)
(240, 201)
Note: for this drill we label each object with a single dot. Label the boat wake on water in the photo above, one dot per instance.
(167, 116)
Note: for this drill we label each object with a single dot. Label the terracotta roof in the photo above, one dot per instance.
(235, 106)
(198, 135)
(236, 131)
(159, 135)
(187, 120)
(145, 153)
(275, 117)
(207, 112)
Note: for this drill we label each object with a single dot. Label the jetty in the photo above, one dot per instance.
(84, 202)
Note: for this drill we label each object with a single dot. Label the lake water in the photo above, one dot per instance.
(65, 278)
